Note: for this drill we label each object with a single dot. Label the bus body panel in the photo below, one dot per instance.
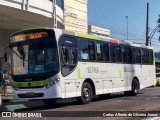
(107, 77)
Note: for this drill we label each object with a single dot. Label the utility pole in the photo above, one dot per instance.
(147, 27)
(127, 26)
(158, 22)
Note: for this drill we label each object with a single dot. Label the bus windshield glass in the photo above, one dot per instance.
(34, 57)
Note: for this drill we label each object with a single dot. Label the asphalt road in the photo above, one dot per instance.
(147, 100)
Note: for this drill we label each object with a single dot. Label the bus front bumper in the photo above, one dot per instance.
(38, 93)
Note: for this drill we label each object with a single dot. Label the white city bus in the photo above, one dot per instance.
(48, 64)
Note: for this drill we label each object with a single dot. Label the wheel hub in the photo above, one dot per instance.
(86, 93)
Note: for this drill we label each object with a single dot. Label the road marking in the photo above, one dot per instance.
(14, 107)
(152, 98)
(155, 97)
(148, 98)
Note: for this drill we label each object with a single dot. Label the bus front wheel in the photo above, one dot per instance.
(49, 102)
(86, 93)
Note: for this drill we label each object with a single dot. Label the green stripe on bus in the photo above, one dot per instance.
(79, 73)
(32, 83)
(154, 59)
(87, 36)
(120, 73)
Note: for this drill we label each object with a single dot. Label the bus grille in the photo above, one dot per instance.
(30, 87)
(33, 96)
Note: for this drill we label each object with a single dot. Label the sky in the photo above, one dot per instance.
(111, 14)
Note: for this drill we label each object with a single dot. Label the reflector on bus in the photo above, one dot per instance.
(112, 40)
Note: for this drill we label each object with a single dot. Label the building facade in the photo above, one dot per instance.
(23, 14)
(75, 15)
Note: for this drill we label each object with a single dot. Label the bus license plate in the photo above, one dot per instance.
(30, 94)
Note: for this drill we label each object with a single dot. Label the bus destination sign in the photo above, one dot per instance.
(29, 36)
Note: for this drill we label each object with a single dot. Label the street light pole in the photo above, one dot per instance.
(157, 28)
(127, 27)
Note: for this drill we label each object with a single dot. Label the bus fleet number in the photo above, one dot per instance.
(93, 70)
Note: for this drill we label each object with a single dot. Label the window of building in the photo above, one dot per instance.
(60, 3)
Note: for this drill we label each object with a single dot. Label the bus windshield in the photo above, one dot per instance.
(35, 57)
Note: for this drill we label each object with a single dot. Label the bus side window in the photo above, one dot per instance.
(145, 56)
(65, 56)
(113, 52)
(151, 57)
(84, 55)
(72, 56)
(118, 54)
(126, 53)
(106, 52)
(99, 51)
(68, 54)
(91, 50)
(136, 55)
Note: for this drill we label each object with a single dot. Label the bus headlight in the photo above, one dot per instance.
(57, 80)
(52, 83)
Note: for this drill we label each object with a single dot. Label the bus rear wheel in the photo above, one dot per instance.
(86, 93)
(135, 88)
(49, 102)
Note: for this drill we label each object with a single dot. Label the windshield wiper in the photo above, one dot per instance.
(21, 51)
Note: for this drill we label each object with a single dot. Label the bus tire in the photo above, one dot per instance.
(134, 88)
(49, 102)
(86, 93)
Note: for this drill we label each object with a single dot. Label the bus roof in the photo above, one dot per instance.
(104, 38)
(91, 36)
